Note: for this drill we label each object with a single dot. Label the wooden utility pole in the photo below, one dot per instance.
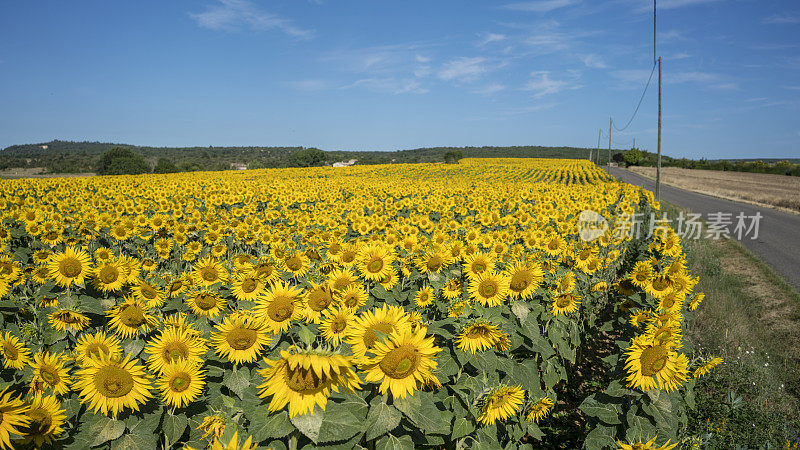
(609, 140)
(634, 142)
(658, 159)
(599, 136)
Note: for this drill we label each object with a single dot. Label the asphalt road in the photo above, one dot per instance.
(778, 241)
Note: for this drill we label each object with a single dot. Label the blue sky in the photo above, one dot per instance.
(373, 75)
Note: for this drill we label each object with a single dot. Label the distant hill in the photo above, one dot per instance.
(74, 157)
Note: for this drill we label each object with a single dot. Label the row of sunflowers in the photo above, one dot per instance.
(394, 306)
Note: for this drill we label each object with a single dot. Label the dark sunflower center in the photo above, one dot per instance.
(50, 375)
(653, 360)
(40, 423)
(249, 285)
(520, 281)
(400, 362)
(351, 300)
(435, 263)
(477, 331)
(70, 267)
(370, 336)
(132, 316)
(660, 284)
(205, 301)
(209, 274)
(563, 301)
(319, 299)
(10, 352)
(375, 265)
(294, 263)
(180, 382)
(488, 288)
(348, 256)
(67, 317)
(113, 382)
(96, 348)
(148, 292)
(303, 381)
(641, 276)
(175, 351)
(241, 338)
(108, 274)
(281, 308)
(338, 325)
(478, 267)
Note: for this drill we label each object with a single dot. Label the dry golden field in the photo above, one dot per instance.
(766, 189)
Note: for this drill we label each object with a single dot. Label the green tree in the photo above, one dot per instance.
(121, 161)
(452, 156)
(309, 157)
(164, 165)
(633, 156)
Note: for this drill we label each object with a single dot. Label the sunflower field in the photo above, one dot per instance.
(378, 307)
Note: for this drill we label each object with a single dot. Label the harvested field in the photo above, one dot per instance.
(765, 189)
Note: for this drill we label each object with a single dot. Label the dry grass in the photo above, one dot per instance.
(779, 191)
(37, 172)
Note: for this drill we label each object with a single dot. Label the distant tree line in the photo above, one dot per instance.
(637, 157)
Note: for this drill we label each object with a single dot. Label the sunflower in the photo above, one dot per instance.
(46, 420)
(70, 267)
(131, 318)
(651, 366)
(148, 293)
(482, 335)
(265, 270)
(489, 288)
(181, 383)
(212, 426)
(353, 297)
(452, 289)
(94, 345)
(539, 409)
(304, 379)
(500, 403)
(15, 354)
(362, 334)
(696, 300)
(233, 443)
(403, 363)
(565, 303)
(335, 324)
(295, 263)
(641, 273)
(390, 280)
(174, 345)
(49, 372)
(179, 322)
(424, 297)
(177, 286)
(208, 271)
(375, 262)
(108, 384)
(108, 277)
(206, 303)
(281, 305)
(554, 245)
(247, 286)
(706, 368)
(523, 279)
(433, 261)
(65, 320)
(13, 417)
(240, 338)
(318, 298)
(341, 278)
(659, 286)
(649, 445)
(40, 274)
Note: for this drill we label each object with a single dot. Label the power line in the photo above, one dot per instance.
(640, 100)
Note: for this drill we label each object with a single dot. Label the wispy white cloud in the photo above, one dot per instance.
(594, 61)
(540, 6)
(792, 88)
(422, 59)
(389, 85)
(541, 84)
(235, 15)
(682, 55)
(489, 89)
(308, 85)
(463, 69)
(492, 37)
(782, 19)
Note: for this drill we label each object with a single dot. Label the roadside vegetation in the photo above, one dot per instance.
(750, 318)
